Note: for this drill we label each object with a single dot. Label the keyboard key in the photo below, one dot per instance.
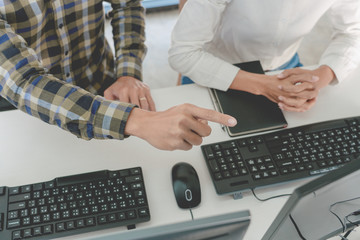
(228, 145)
(256, 176)
(80, 223)
(13, 214)
(16, 235)
(19, 197)
(14, 190)
(60, 227)
(14, 223)
(235, 173)
(209, 153)
(253, 148)
(130, 214)
(214, 166)
(16, 206)
(285, 163)
(102, 219)
(90, 221)
(48, 229)
(2, 191)
(26, 189)
(70, 225)
(49, 185)
(37, 187)
(226, 174)
(112, 217)
(132, 179)
(284, 171)
(218, 176)
(243, 171)
(135, 171)
(27, 233)
(37, 231)
(143, 212)
(121, 216)
(242, 142)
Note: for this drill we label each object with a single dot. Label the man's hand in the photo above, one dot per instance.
(131, 90)
(301, 87)
(179, 127)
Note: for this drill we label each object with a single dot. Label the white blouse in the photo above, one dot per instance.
(211, 35)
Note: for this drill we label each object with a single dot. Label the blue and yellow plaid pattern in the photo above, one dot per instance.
(55, 60)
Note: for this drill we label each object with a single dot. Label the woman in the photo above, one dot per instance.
(212, 35)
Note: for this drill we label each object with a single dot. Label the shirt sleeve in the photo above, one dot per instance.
(25, 83)
(196, 26)
(343, 53)
(128, 24)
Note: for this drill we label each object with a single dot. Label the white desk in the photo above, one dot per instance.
(32, 151)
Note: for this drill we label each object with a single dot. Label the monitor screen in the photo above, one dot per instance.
(231, 226)
(322, 208)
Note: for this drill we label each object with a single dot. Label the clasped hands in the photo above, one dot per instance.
(297, 89)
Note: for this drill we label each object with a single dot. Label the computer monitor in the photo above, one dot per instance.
(230, 226)
(322, 208)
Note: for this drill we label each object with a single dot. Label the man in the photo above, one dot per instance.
(212, 35)
(55, 61)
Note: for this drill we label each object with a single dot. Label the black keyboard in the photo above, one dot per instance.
(73, 204)
(284, 155)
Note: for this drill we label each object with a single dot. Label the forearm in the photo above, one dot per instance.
(128, 24)
(26, 84)
(71, 108)
(188, 55)
(249, 82)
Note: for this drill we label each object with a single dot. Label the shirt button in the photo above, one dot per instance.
(61, 25)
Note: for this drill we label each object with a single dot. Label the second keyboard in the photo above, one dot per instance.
(281, 156)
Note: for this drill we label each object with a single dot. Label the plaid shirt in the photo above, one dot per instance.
(54, 59)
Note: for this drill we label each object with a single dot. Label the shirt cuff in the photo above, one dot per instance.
(220, 79)
(340, 65)
(110, 119)
(129, 66)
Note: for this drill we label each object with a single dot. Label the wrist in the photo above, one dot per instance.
(326, 75)
(248, 82)
(135, 122)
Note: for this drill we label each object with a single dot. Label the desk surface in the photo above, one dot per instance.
(32, 151)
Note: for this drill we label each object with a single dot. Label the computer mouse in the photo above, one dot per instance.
(186, 185)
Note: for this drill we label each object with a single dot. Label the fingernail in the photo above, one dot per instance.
(315, 78)
(281, 105)
(232, 122)
(281, 98)
(280, 87)
(281, 75)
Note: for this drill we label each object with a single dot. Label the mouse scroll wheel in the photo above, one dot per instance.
(188, 195)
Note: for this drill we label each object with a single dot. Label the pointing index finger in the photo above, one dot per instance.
(213, 116)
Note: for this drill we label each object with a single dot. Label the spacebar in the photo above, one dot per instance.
(324, 126)
(80, 178)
